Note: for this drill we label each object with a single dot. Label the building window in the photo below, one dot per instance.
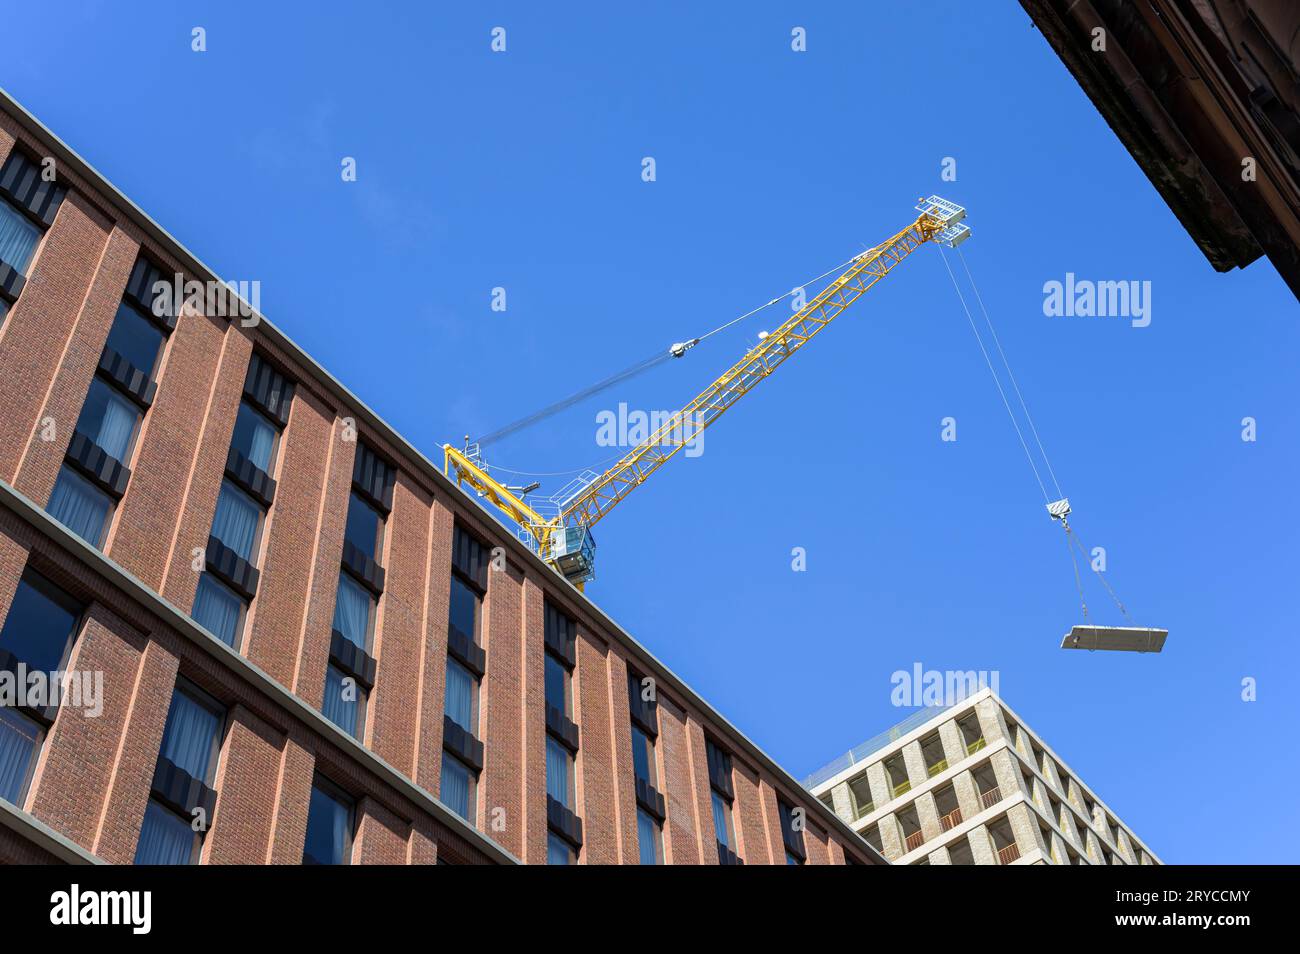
(20, 741)
(559, 773)
(458, 787)
(330, 823)
(462, 697)
(558, 851)
(192, 736)
(354, 612)
(29, 202)
(136, 338)
(722, 828)
(558, 695)
(255, 437)
(41, 624)
(38, 633)
(219, 610)
(18, 238)
(649, 838)
(237, 521)
(345, 701)
(80, 506)
(110, 420)
(791, 834)
(463, 615)
(643, 757)
(721, 792)
(365, 527)
(191, 743)
(166, 838)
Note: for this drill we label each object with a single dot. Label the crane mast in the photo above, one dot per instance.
(564, 538)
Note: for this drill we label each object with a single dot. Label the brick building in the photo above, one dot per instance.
(312, 646)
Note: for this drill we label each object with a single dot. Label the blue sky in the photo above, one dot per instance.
(522, 170)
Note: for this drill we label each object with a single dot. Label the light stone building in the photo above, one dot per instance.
(972, 784)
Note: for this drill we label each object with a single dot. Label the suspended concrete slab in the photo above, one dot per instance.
(1133, 639)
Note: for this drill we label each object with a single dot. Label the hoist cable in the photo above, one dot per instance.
(1083, 552)
(1005, 403)
(829, 271)
(630, 372)
(659, 357)
(1007, 364)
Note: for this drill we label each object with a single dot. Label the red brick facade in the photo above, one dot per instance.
(93, 775)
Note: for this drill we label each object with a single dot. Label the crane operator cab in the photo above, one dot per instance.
(573, 553)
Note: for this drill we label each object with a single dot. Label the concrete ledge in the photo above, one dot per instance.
(31, 829)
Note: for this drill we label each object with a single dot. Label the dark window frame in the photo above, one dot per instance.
(358, 731)
(79, 609)
(76, 474)
(215, 707)
(339, 794)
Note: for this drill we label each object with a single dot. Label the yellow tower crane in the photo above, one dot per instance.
(564, 538)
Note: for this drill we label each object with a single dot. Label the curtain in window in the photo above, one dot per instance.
(235, 523)
(190, 735)
(342, 821)
(339, 708)
(261, 440)
(217, 610)
(18, 238)
(455, 786)
(165, 838)
(18, 737)
(557, 772)
(352, 611)
(79, 507)
(460, 696)
(641, 756)
(116, 424)
(254, 437)
(647, 833)
(558, 851)
(720, 825)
